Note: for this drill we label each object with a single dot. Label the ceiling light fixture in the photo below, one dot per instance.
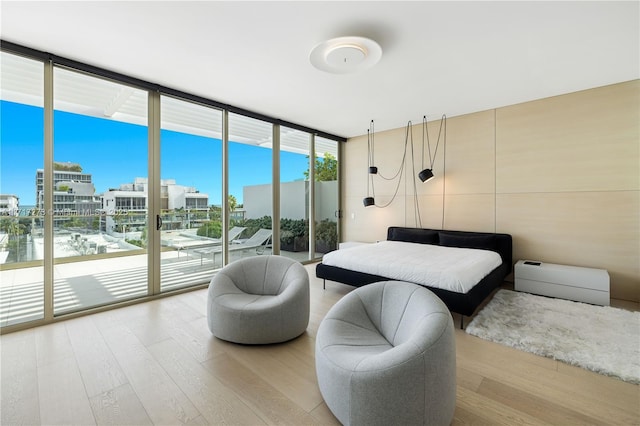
(344, 55)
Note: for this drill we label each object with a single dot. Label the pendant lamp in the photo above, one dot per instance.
(427, 173)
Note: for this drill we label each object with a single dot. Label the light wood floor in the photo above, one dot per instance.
(157, 363)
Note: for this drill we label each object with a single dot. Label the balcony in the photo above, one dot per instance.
(97, 279)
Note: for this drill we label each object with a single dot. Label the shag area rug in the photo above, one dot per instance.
(598, 338)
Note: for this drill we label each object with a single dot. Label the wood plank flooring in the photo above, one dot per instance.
(157, 363)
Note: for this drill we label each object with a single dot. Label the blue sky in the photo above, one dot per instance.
(115, 153)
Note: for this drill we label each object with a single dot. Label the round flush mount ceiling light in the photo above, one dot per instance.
(344, 55)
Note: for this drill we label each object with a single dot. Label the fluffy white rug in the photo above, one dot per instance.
(599, 338)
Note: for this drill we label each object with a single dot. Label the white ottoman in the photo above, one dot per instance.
(385, 355)
(259, 300)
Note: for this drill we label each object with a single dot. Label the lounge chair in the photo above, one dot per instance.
(206, 242)
(259, 241)
(233, 233)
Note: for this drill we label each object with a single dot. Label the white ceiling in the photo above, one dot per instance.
(438, 58)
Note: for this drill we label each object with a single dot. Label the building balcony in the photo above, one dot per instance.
(84, 281)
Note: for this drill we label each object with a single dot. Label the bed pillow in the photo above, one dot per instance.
(484, 242)
(412, 235)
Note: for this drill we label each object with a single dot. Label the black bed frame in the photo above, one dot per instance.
(461, 303)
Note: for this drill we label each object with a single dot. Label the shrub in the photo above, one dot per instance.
(211, 229)
(294, 231)
(139, 243)
(253, 225)
(327, 232)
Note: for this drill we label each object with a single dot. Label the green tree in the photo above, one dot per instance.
(6, 225)
(215, 213)
(326, 168)
(14, 230)
(211, 229)
(233, 203)
(78, 222)
(69, 167)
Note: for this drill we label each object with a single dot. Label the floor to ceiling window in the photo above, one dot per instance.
(191, 192)
(21, 155)
(294, 193)
(250, 193)
(88, 156)
(100, 188)
(327, 209)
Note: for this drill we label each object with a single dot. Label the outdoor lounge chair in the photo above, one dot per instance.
(206, 242)
(233, 233)
(191, 244)
(259, 241)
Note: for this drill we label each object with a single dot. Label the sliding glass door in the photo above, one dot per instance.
(190, 192)
(294, 193)
(113, 189)
(21, 155)
(327, 210)
(99, 192)
(250, 198)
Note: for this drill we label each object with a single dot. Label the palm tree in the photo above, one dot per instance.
(233, 203)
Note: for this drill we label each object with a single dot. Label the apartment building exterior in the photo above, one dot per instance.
(126, 207)
(9, 205)
(73, 193)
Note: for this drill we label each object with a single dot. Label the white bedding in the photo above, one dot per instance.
(449, 268)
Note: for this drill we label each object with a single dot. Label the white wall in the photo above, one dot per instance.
(294, 200)
(326, 200)
(256, 200)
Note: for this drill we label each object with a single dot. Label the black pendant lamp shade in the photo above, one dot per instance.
(425, 175)
(368, 201)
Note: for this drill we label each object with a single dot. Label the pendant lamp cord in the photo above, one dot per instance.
(404, 156)
(416, 204)
(444, 162)
(373, 147)
(424, 128)
(369, 159)
(425, 131)
(398, 173)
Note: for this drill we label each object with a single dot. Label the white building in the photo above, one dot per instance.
(127, 206)
(178, 196)
(75, 198)
(9, 204)
(63, 173)
(73, 192)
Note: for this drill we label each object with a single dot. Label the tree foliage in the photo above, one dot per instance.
(326, 168)
(233, 203)
(211, 229)
(11, 226)
(67, 167)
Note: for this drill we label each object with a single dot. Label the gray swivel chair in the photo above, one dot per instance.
(259, 300)
(385, 355)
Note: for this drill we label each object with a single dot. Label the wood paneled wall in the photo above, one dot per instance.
(561, 174)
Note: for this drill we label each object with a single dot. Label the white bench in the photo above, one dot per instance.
(587, 285)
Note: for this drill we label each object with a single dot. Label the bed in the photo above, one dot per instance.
(408, 245)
